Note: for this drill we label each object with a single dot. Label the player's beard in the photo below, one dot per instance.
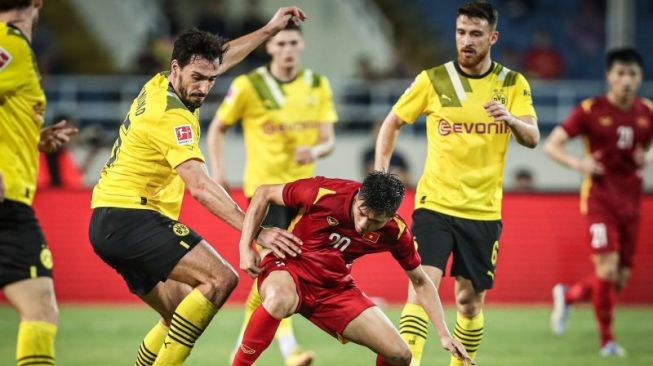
(186, 96)
(479, 55)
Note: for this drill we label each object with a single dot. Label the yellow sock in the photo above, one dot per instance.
(469, 331)
(35, 343)
(286, 337)
(151, 344)
(191, 317)
(414, 328)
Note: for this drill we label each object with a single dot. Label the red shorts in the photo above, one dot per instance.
(610, 233)
(330, 308)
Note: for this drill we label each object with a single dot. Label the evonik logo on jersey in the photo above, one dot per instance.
(480, 128)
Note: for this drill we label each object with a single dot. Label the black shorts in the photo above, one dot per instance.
(142, 245)
(23, 251)
(474, 244)
(280, 216)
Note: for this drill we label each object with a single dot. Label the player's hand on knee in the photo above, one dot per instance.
(281, 18)
(280, 241)
(456, 349)
(249, 262)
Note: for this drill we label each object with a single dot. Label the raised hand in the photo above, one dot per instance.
(281, 18)
(55, 136)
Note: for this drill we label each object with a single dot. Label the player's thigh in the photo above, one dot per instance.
(34, 299)
(606, 265)
(476, 251)
(203, 264)
(374, 330)
(24, 253)
(279, 293)
(142, 245)
(433, 237)
(603, 232)
(165, 297)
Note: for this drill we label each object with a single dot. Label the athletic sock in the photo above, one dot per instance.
(580, 291)
(469, 331)
(253, 301)
(257, 337)
(604, 300)
(414, 327)
(151, 344)
(192, 316)
(35, 345)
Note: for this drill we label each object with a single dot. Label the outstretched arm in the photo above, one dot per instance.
(428, 297)
(385, 141)
(243, 46)
(212, 196)
(258, 208)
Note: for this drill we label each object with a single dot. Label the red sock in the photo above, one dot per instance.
(380, 361)
(581, 290)
(604, 300)
(257, 337)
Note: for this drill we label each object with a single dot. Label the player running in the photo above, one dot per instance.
(287, 114)
(136, 203)
(472, 106)
(338, 221)
(617, 130)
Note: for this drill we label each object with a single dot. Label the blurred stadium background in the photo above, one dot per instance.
(95, 55)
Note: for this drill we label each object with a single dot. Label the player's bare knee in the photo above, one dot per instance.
(279, 302)
(468, 306)
(400, 356)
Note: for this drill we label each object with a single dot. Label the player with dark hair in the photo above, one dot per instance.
(287, 115)
(339, 220)
(25, 259)
(136, 203)
(472, 106)
(617, 130)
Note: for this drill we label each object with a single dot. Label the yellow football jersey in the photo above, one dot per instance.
(277, 118)
(22, 108)
(158, 134)
(463, 173)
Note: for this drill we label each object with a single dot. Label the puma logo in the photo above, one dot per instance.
(165, 344)
(247, 350)
(445, 97)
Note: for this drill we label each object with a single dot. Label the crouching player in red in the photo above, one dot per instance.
(338, 221)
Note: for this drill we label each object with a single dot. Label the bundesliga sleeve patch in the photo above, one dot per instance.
(5, 58)
(184, 135)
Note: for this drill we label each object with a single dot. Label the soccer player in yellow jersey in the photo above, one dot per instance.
(136, 203)
(288, 115)
(25, 260)
(472, 106)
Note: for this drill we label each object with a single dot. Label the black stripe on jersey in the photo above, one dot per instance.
(262, 90)
(316, 80)
(511, 79)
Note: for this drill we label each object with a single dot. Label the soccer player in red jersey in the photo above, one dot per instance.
(617, 128)
(338, 221)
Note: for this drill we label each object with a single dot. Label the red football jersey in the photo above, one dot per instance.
(331, 243)
(612, 134)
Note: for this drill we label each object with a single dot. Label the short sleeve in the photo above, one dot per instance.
(327, 110)
(414, 101)
(301, 193)
(522, 104)
(176, 137)
(234, 105)
(15, 63)
(405, 251)
(576, 122)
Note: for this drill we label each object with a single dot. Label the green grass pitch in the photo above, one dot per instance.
(109, 335)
